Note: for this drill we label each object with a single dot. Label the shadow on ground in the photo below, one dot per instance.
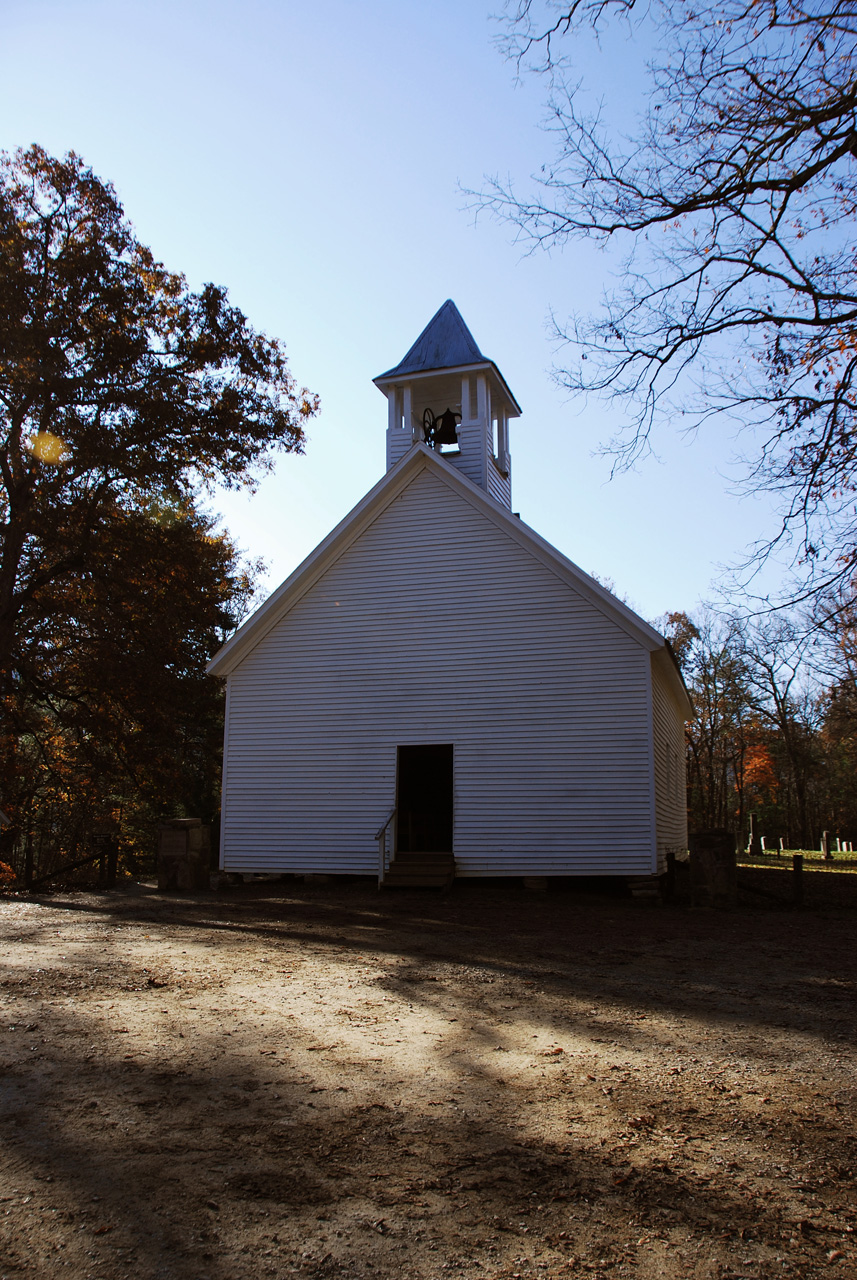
(320, 1080)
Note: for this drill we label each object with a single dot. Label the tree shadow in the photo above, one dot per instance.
(169, 1159)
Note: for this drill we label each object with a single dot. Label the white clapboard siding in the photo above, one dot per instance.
(670, 785)
(399, 440)
(436, 625)
(473, 459)
(499, 486)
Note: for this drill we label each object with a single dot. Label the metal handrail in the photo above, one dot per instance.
(381, 837)
(382, 829)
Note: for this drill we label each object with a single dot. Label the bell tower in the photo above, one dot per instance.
(446, 394)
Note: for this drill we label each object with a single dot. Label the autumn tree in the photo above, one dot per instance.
(123, 393)
(835, 658)
(124, 726)
(733, 201)
(119, 385)
(785, 687)
(774, 729)
(709, 652)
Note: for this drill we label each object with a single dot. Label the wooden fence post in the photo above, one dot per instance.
(669, 884)
(28, 861)
(797, 878)
(112, 860)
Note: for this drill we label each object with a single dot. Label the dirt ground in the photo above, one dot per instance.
(317, 1080)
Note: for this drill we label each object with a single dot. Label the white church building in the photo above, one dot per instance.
(437, 690)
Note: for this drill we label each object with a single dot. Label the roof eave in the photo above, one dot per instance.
(627, 619)
(394, 376)
(254, 629)
(672, 670)
(339, 538)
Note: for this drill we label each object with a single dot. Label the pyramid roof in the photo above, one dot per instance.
(445, 343)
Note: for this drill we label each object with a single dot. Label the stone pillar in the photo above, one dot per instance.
(713, 869)
(754, 847)
(183, 854)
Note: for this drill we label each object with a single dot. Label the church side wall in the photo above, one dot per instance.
(435, 626)
(670, 784)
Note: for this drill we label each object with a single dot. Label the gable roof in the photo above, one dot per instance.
(417, 459)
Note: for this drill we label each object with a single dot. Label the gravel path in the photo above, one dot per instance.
(315, 1080)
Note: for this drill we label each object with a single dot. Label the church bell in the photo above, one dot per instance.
(440, 430)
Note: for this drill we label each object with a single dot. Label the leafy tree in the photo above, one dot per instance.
(735, 202)
(122, 394)
(784, 689)
(835, 658)
(127, 725)
(709, 652)
(772, 731)
(119, 386)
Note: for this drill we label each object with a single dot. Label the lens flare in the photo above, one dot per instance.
(48, 448)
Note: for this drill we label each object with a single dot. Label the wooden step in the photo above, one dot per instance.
(646, 888)
(394, 881)
(438, 859)
(420, 871)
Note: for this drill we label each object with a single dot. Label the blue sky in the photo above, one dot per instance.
(309, 158)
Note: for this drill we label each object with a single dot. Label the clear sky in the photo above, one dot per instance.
(308, 157)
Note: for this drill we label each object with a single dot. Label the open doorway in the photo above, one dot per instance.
(424, 798)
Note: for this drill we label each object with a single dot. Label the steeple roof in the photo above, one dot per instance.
(445, 343)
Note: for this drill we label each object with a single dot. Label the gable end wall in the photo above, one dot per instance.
(436, 626)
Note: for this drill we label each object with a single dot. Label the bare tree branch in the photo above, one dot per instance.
(735, 204)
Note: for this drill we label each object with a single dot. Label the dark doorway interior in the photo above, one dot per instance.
(424, 799)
